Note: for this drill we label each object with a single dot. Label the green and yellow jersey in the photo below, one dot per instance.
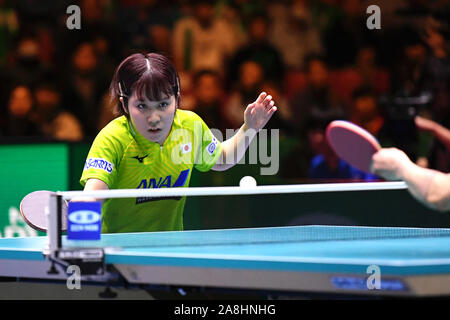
(122, 158)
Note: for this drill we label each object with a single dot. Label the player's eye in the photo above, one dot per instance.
(141, 106)
(163, 105)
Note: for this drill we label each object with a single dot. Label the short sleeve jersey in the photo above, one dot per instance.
(122, 158)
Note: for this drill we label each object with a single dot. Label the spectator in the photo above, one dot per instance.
(209, 95)
(365, 111)
(293, 32)
(33, 12)
(52, 120)
(98, 25)
(258, 48)
(85, 87)
(187, 90)
(245, 9)
(20, 107)
(326, 165)
(409, 96)
(203, 41)
(311, 110)
(317, 104)
(160, 39)
(46, 41)
(251, 78)
(102, 46)
(411, 77)
(281, 119)
(364, 73)
(346, 34)
(9, 26)
(27, 67)
(370, 73)
(106, 111)
(147, 24)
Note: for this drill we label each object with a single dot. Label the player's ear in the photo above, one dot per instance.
(122, 102)
(123, 98)
(178, 100)
(177, 92)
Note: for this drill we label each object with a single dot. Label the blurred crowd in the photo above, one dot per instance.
(317, 58)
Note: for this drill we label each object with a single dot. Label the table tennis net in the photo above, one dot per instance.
(247, 236)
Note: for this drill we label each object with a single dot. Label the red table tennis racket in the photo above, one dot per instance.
(32, 209)
(352, 144)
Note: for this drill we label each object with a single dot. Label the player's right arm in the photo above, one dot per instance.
(100, 169)
(92, 185)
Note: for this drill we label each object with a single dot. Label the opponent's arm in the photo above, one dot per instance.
(430, 187)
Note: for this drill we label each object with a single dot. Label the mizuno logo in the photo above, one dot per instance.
(140, 159)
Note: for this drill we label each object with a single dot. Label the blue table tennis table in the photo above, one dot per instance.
(330, 260)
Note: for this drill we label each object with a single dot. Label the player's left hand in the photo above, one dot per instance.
(258, 113)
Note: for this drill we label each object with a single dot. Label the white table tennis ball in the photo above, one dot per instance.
(247, 182)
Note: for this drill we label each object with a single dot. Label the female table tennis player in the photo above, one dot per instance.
(155, 144)
(430, 187)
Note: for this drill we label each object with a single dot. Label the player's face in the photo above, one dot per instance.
(153, 119)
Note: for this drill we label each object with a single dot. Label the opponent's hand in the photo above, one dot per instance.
(390, 163)
(258, 113)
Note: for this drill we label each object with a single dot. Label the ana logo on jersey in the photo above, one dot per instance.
(165, 182)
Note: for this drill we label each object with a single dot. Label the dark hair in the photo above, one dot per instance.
(49, 81)
(151, 76)
(362, 92)
(205, 72)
